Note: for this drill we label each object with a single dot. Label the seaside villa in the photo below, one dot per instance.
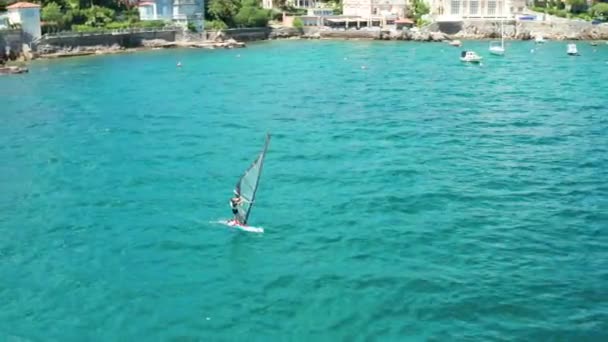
(395, 13)
(180, 12)
(27, 15)
(356, 13)
(458, 10)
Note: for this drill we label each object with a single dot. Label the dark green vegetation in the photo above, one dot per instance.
(573, 9)
(235, 13)
(418, 9)
(91, 15)
(96, 15)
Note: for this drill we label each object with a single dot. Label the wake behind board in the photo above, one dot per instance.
(231, 223)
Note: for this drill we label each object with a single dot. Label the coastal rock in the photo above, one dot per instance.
(438, 36)
(421, 36)
(284, 32)
(595, 33)
(219, 36)
(53, 51)
(396, 35)
(524, 30)
(12, 70)
(315, 35)
(154, 43)
(351, 34)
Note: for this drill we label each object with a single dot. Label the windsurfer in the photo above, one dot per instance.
(235, 202)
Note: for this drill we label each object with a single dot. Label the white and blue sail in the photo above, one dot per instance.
(247, 185)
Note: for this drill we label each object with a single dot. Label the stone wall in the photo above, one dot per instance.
(285, 32)
(123, 39)
(350, 34)
(564, 30)
(244, 34)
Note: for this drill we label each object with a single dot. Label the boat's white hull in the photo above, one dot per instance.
(471, 60)
(498, 51)
(456, 43)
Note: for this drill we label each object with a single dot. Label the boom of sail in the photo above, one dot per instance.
(247, 185)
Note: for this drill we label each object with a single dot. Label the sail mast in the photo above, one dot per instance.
(502, 26)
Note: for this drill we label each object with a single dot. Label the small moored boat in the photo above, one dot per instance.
(572, 50)
(497, 48)
(12, 70)
(470, 57)
(455, 43)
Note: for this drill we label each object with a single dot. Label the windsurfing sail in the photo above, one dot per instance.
(247, 185)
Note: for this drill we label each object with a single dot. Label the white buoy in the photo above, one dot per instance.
(179, 64)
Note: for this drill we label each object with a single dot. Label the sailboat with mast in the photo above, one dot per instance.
(246, 189)
(498, 48)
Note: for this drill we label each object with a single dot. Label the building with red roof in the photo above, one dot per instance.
(27, 15)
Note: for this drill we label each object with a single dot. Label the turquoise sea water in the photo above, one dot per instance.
(417, 198)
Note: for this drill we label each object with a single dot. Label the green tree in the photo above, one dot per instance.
(577, 6)
(336, 5)
(215, 25)
(251, 15)
(224, 10)
(99, 16)
(52, 13)
(297, 23)
(600, 10)
(419, 8)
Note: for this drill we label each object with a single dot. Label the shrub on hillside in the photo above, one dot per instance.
(215, 25)
(251, 15)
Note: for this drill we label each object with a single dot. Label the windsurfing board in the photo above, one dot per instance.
(231, 223)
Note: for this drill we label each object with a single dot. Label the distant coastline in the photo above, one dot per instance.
(67, 45)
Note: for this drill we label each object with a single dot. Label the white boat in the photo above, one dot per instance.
(470, 57)
(572, 50)
(498, 48)
(539, 39)
(455, 43)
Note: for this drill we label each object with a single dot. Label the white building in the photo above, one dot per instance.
(303, 3)
(267, 4)
(320, 12)
(455, 10)
(27, 15)
(368, 8)
(181, 12)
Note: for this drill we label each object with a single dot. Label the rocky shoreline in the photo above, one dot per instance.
(52, 51)
(436, 32)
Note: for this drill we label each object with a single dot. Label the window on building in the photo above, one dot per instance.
(473, 7)
(455, 7)
(491, 8)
